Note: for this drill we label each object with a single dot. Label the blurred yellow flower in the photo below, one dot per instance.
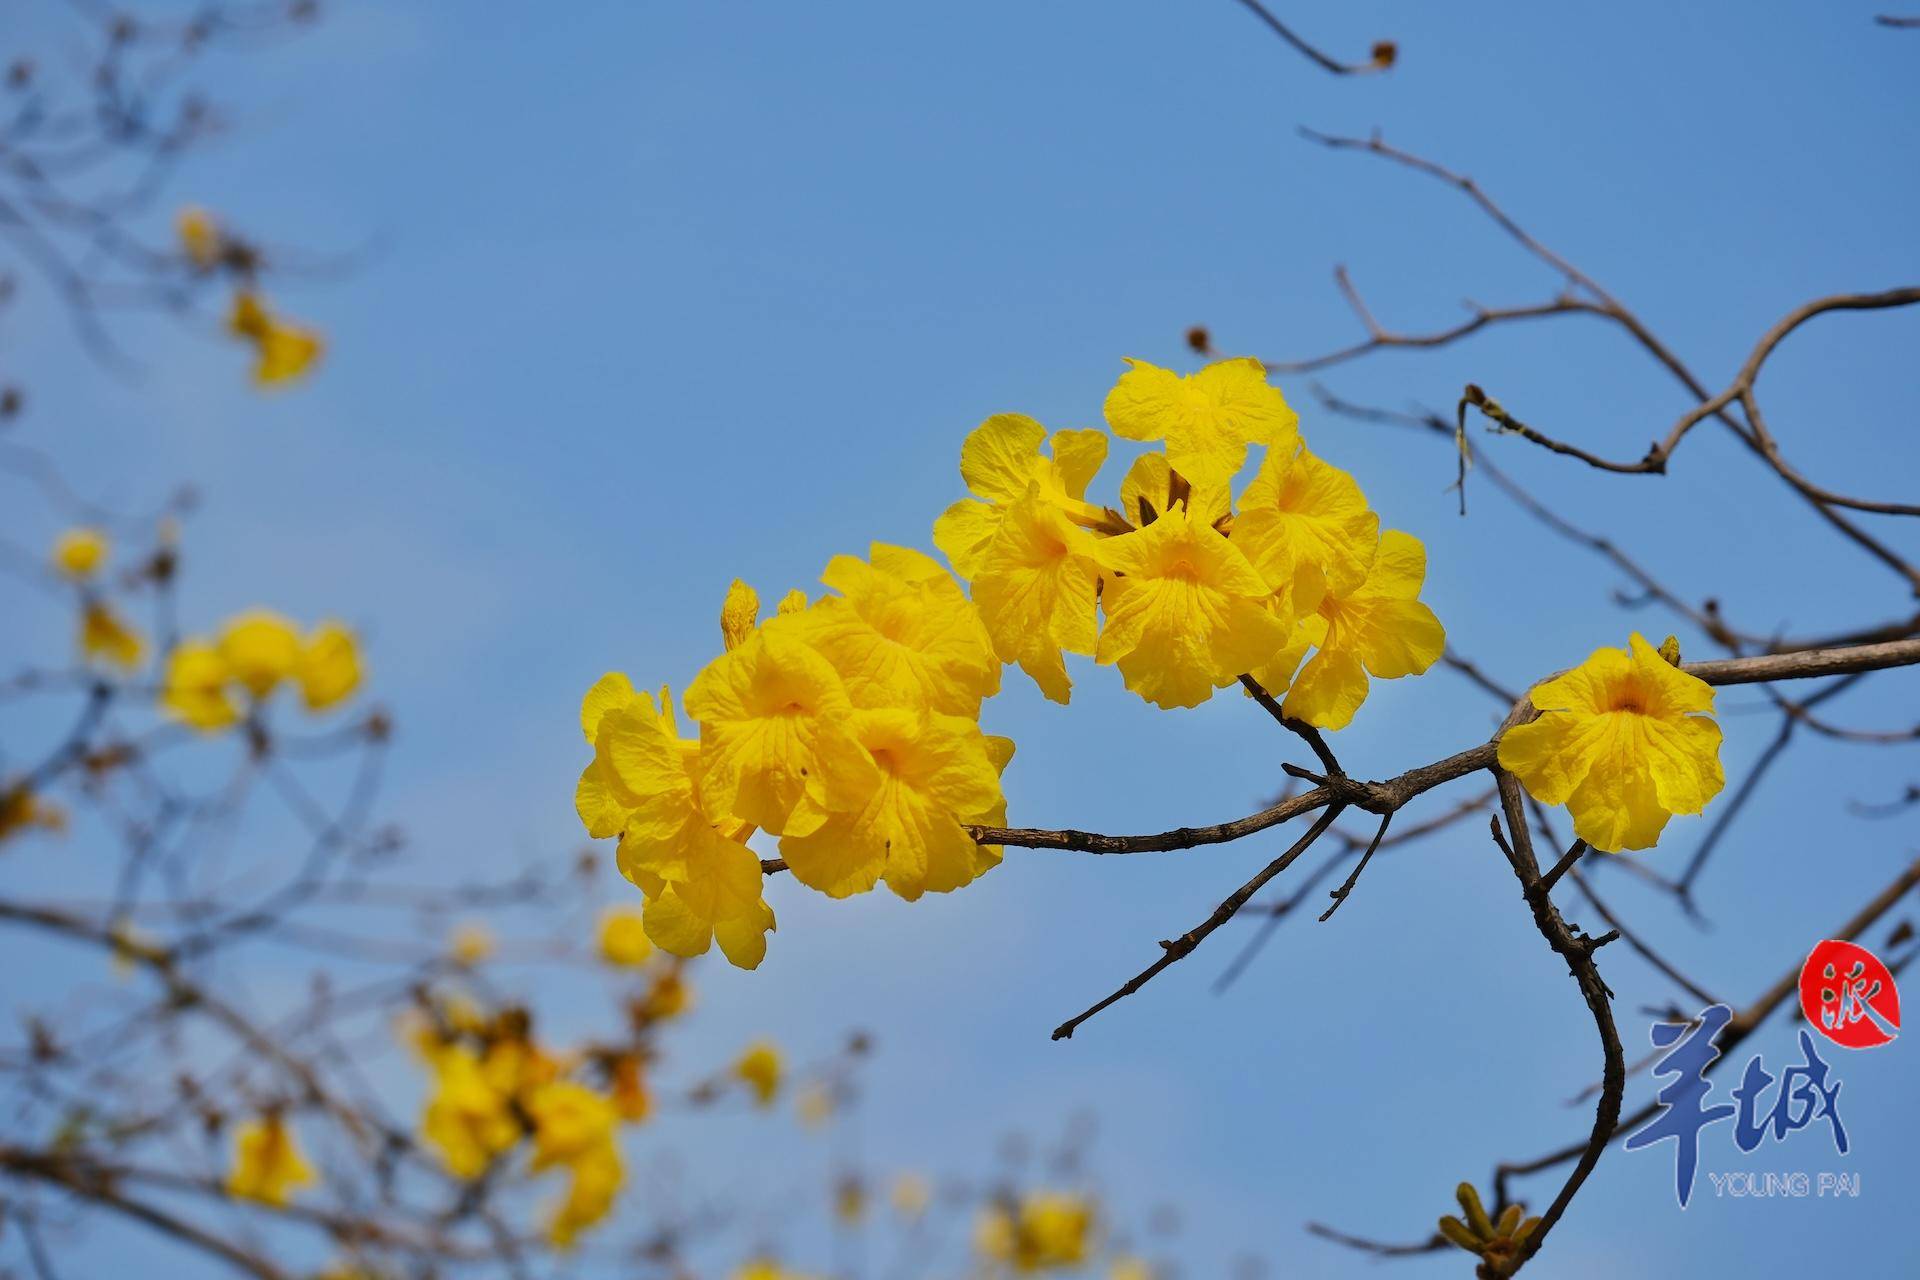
(1044, 1231)
(200, 238)
(623, 938)
(284, 351)
(108, 638)
(669, 997)
(631, 1098)
(267, 1164)
(1207, 418)
(1624, 741)
(472, 943)
(260, 649)
(467, 1120)
(79, 553)
(195, 688)
(593, 1182)
(327, 666)
(760, 1068)
(910, 1195)
(569, 1120)
(849, 1200)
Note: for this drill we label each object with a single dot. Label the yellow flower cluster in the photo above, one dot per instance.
(283, 351)
(1195, 589)
(79, 555)
(1043, 1231)
(848, 727)
(209, 681)
(1624, 741)
(267, 1163)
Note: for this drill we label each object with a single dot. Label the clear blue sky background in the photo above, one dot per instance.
(663, 294)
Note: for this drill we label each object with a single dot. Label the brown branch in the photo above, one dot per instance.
(1380, 58)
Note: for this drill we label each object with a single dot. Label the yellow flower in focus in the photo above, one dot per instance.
(1151, 486)
(623, 938)
(79, 553)
(1186, 611)
(775, 750)
(937, 774)
(594, 1180)
(328, 666)
(1624, 741)
(911, 1195)
(738, 614)
(260, 649)
(467, 1120)
(1044, 1231)
(200, 238)
(760, 1067)
(1037, 588)
(267, 1164)
(569, 1120)
(1306, 511)
(471, 944)
(195, 689)
(1380, 627)
(284, 351)
(105, 636)
(1000, 461)
(901, 633)
(1207, 418)
(21, 808)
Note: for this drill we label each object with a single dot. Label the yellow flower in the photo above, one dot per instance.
(1306, 511)
(1126, 1268)
(901, 633)
(104, 635)
(260, 649)
(1044, 1231)
(328, 666)
(267, 1164)
(1380, 627)
(1624, 741)
(471, 944)
(775, 749)
(1186, 611)
(623, 938)
(668, 997)
(21, 808)
(79, 553)
(687, 855)
(467, 1120)
(200, 238)
(1152, 486)
(1207, 418)
(594, 1180)
(1000, 461)
(195, 690)
(569, 1120)
(910, 1195)
(760, 1068)
(815, 1105)
(1036, 588)
(738, 614)
(765, 1269)
(284, 351)
(936, 774)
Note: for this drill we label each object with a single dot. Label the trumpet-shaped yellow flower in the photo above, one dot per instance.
(284, 351)
(267, 1163)
(1301, 510)
(1207, 418)
(760, 1068)
(105, 636)
(738, 614)
(327, 666)
(468, 1121)
(593, 1182)
(79, 553)
(1624, 741)
(260, 649)
(1186, 611)
(689, 857)
(1380, 628)
(901, 633)
(1000, 461)
(195, 688)
(569, 1121)
(623, 938)
(937, 774)
(200, 238)
(1037, 588)
(1044, 1231)
(775, 747)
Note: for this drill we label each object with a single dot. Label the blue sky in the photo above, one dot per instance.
(650, 296)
